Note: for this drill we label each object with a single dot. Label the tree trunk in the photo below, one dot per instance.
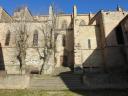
(22, 64)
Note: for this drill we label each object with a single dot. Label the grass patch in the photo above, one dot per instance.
(36, 93)
(64, 93)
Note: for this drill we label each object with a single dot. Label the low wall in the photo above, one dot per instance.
(14, 82)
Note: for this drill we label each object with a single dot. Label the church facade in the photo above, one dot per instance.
(82, 40)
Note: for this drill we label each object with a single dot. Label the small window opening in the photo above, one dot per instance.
(35, 38)
(64, 41)
(89, 43)
(7, 39)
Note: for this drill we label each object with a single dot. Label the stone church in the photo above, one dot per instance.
(96, 41)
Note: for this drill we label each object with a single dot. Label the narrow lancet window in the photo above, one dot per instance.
(64, 41)
(119, 35)
(89, 43)
(7, 40)
(35, 38)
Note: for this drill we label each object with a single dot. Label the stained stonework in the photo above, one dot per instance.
(82, 40)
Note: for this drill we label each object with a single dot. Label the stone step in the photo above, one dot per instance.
(75, 77)
(59, 88)
(55, 85)
(57, 81)
(65, 81)
(90, 81)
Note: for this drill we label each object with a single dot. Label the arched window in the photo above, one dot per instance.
(82, 23)
(64, 24)
(7, 40)
(35, 38)
(64, 41)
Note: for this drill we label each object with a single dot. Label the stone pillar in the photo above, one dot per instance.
(74, 11)
(119, 8)
(77, 54)
(50, 12)
(90, 16)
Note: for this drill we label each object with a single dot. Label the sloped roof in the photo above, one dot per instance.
(4, 16)
(23, 12)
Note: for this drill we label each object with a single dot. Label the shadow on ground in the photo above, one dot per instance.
(112, 59)
(96, 83)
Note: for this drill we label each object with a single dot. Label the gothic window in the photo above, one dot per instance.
(35, 38)
(64, 24)
(82, 23)
(7, 40)
(119, 34)
(64, 41)
(89, 43)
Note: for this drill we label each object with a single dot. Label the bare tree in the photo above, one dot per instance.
(48, 30)
(21, 44)
(49, 40)
(21, 30)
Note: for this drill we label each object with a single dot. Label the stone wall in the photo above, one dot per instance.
(9, 52)
(87, 49)
(113, 52)
(14, 82)
(90, 40)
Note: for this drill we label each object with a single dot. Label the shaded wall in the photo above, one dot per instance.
(2, 64)
(113, 52)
